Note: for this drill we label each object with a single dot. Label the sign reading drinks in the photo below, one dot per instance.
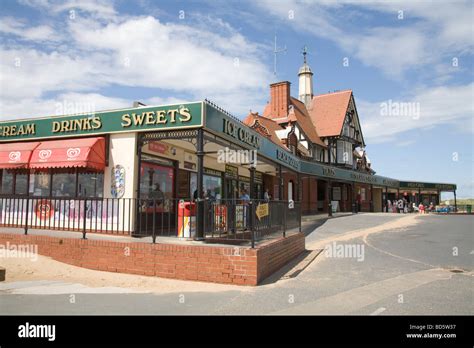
(125, 120)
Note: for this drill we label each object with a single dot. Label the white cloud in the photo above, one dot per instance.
(64, 103)
(212, 61)
(427, 33)
(437, 106)
(19, 28)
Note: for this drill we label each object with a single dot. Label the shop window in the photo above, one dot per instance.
(211, 184)
(362, 194)
(156, 182)
(7, 182)
(64, 183)
(40, 184)
(21, 183)
(90, 184)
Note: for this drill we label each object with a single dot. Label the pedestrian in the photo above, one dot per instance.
(389, 206)
(421, 208)
(400, 205)
(266, 195)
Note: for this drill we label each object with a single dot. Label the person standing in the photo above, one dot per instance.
(266, 196)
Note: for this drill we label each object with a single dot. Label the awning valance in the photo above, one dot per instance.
(79, 152)
(16, 155)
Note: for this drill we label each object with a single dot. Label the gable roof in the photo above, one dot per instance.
(328, 112)
(271, 126)
(300, 115)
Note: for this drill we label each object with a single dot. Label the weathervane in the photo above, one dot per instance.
(276, 50)
(304, 52)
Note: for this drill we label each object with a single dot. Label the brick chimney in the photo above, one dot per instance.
(279, 99)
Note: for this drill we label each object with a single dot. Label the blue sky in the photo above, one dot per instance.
(70, 56)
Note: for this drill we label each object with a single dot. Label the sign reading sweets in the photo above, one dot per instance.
(125, 120)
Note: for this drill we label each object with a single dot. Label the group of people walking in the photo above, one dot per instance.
(403, 206)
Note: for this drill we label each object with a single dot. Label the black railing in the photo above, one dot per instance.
(226, 221)
(254, 220)
(99, 215)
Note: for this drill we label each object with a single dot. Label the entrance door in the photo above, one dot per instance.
(156, 205)
(322, 206)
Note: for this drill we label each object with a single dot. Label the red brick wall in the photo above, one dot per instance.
(279, 99)
(189, 262)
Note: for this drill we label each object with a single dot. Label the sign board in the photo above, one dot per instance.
(166, 117)
(262, 210)
(336, 193)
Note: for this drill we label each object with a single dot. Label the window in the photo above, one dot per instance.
(7, 182)
(90, 184)
(344, 152)
(21, 183)
(156, 181)
(40, 184)
(211, 185)
(64, 183)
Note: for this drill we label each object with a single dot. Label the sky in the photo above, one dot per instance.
(409, 64)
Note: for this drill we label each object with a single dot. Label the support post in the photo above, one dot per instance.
(386, 199)
(354, 198)
(455, 202)
(200, 173)
(280, 183)
(329, 195)
(137, 204)
(371, 198)
(419, 198)
(27, 201)
(252, 205)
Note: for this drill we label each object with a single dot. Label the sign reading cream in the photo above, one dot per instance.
(125, 120)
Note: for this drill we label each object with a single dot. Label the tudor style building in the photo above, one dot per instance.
(133, 170)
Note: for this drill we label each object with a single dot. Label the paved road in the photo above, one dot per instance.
(402, 271)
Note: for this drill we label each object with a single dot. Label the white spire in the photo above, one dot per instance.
(305, 75)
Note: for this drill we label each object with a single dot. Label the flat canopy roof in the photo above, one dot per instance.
(201, 114)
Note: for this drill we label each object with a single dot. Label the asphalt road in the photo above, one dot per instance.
(404, 271)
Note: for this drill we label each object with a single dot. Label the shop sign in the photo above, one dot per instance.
(231, 172)
(427, 185)
(124, 120)
(329, 171)
(364, 177)
(189, 165)
(287, 158)
(241, 133)
(258, 178)
(155, 146)
(262, 210)
(212, 172)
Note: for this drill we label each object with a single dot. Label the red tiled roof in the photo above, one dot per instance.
(271, 126)
(328, 111)
(299, 115)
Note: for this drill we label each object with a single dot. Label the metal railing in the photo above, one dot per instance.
(99, 215)
(254, 220)
(223, 220)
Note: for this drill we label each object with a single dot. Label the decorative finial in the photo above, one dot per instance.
(304, 52)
